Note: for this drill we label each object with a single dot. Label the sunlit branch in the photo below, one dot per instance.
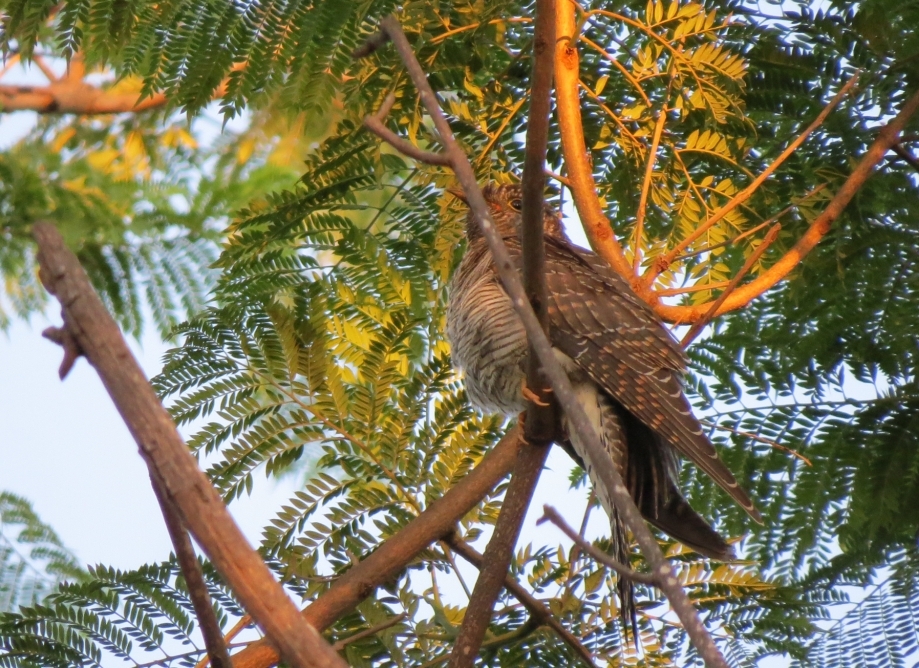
(662, 263)
(700, 324)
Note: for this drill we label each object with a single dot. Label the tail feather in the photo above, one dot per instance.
(624, 586)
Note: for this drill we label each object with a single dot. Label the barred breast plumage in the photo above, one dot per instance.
(625, 368)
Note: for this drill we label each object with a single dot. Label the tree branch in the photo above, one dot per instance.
(561, 385)
(551, 515)
(748, 265)
(886, 139)
(168, 458)
(541, 421)
(341, 644)
(662, 263)
(217, 651)
(374, 123)
(597, 226)
(498, 554)
(388, 560)
(537, 609)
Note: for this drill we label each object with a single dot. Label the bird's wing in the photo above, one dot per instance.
(608, 305)
(595, 320)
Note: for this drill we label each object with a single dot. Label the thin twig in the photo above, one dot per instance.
(757, 437)
(665, 261)
(886, 138)
(906, 155)
(551, 515)
(561, 384)
(341, 644)
(373, 43)
(646, 186)
(374, 123)
(217, 651)
(167, 456)
(536, 608)
(238, 627)
(670, 292)
(700, 324)
(752, 230)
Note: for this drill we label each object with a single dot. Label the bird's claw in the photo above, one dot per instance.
(531, 395)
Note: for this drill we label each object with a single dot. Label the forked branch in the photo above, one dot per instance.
(97, 336)
(561, 385)
(382, 565)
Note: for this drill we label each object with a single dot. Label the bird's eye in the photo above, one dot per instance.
(516, 204)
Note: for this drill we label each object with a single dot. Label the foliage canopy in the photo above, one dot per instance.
(322, 341)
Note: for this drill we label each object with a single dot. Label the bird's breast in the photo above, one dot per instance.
(488, 341)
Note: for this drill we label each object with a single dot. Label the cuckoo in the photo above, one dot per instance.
(625, 368)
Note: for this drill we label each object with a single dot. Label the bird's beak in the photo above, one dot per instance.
(458, 194)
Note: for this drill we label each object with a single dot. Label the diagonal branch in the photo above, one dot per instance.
(561, 384)
(748, 265)
(552, 515)
(168, 458)
(216, 646)
(661, 264)
(374, 123)
(498, 554)
(537, 609)
(398, 550)
(886, 139)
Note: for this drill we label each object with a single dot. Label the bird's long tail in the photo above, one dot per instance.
(605, 417)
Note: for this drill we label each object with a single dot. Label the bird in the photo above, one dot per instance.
(625, 367)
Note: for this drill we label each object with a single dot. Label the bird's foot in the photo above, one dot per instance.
(531, 395)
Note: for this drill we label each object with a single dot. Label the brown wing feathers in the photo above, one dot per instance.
(598, 321)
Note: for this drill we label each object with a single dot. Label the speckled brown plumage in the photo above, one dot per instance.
(625, 367)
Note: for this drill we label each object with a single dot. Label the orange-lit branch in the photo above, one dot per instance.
(748, 265)
(664, 262)
(580, 174)
(886, 139)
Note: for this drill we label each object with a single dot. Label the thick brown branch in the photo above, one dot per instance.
(169, 459)
(541, 419)
(561, 384)
(886, 139)
(577, 159)
(537, 610)
(551, 515)
(748, 265)
(393, 555)
(498, 554)
(217, 651)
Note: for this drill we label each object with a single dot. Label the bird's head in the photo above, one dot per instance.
(506, 202)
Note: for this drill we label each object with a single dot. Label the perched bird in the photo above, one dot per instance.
(625, 367)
